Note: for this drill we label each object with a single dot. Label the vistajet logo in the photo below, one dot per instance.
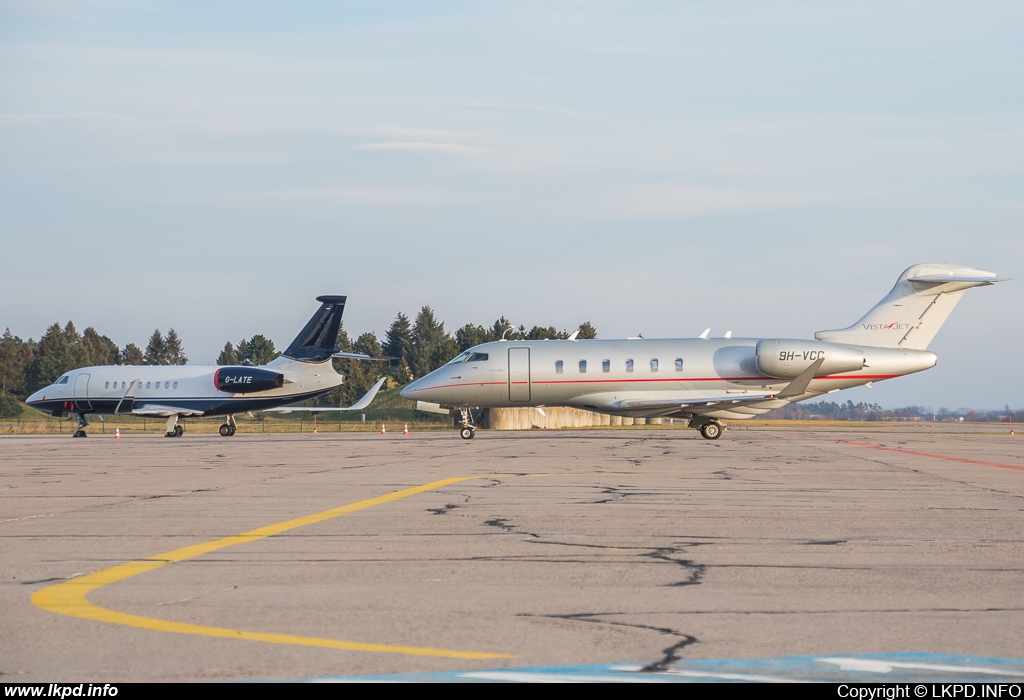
(896, 326)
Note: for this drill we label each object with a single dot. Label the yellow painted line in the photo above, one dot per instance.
(69, 597)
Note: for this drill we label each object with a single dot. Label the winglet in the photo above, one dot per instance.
(704, 335)
(367, 397)
(357, 406)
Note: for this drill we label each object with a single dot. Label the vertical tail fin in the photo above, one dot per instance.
(319, 339)
(912, 313)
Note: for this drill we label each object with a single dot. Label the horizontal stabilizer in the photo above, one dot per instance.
(359, 405)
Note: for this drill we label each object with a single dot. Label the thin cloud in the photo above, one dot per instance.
(681, 201)
(424, 147)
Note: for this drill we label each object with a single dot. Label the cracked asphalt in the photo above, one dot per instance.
(569, 547)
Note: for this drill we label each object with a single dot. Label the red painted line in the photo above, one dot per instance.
(925, 454)
(772, 380)
(662, 380)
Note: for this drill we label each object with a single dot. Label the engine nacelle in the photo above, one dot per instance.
(246, 380)
(786, 359)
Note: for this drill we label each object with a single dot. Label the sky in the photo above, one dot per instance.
(768, 168)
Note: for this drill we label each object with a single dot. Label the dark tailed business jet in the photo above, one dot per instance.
(705, 380)
(302, 372)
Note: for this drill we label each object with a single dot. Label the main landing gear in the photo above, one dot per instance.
(173, 428)
(82, 425)
(229, 428)
(711, 431)
(467, 429)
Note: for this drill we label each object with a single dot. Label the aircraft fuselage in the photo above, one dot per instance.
(614, 376)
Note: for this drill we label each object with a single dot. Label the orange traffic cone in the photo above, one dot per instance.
(406, 431)
(383, 430)
(117, 433)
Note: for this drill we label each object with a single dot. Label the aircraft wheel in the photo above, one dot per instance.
(711, 431)
(179, 430)
(225, 430)
(467, 433)
(80, 433)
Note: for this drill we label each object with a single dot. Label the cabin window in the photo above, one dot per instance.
(63, 380)
(167, 385)
(147, 384)
(679, 364)
(558, 367)
(122, 385)
(583, 366)
(175, 385)
(106, 385)
(629, 365)
(606, 365)
(654, 365)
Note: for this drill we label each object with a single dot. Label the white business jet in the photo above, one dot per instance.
(702, 380)
(302, 372)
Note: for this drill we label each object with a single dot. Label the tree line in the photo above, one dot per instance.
(410, 348)
(850, 411)
(28, 365)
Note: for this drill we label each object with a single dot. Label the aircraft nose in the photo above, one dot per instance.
(408, 392)
(35, 398)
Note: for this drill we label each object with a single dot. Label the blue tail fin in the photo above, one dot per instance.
(318, 340)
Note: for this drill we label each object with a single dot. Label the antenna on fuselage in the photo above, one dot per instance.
(509, 328)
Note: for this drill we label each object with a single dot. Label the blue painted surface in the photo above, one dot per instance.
(837, 668)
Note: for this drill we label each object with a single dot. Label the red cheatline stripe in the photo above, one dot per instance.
(662, 380)
(925, 454)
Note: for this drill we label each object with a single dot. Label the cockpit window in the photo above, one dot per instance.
(470, 357)
(460, 358)
(63, 380)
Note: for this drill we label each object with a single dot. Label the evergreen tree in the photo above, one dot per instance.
(99, 349)
(132, 355)
(242, 351)
(398, 344)
(156, 352)
(260, 350)
(470, 335)
(587, 331)
(15, 357)
(76, 354)
(431, 346)
(503, 328)
(362, 374)
(549, 333)
(227, 356)
(53, 357)
(174, 354)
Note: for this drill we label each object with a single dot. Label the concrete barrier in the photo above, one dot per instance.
(553, 418)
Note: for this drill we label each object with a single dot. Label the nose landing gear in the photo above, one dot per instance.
(82, 425)
(467, 430)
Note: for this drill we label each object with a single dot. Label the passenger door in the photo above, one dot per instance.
(82, 402)
(519, 375)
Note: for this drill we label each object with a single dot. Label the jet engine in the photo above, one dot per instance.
(786, 359)
(246, 380)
